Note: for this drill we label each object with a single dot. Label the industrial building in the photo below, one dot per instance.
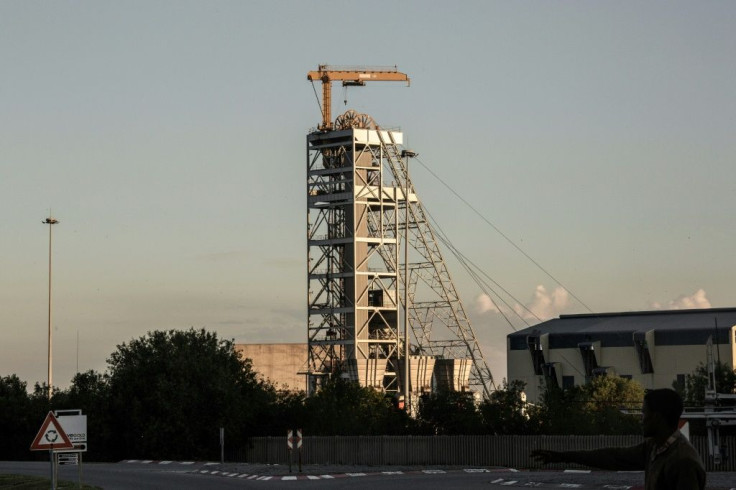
(656, 348)
(279, 364)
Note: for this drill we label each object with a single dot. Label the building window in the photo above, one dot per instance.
(550, 374)
(603, 371)
(535, 349)
(589, 361)
(627, 376)
(642, 351)
(568, 382)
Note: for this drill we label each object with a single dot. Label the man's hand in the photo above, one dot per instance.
(543, 456)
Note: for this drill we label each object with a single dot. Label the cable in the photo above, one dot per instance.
(519, 249)
(462, 258)
(471, 269)
(319, 104)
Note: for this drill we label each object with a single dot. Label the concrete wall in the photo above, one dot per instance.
(278, 363)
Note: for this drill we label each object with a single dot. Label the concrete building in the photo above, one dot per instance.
(280, 364)
(655, 348)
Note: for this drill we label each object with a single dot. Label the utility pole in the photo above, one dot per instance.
(407, 371)
(50, 221)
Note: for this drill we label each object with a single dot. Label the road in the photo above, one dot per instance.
(141, 476)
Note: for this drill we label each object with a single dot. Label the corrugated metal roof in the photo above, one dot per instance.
(607, 325)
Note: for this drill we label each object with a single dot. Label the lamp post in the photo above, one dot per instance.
(406, 154)
(50, 221)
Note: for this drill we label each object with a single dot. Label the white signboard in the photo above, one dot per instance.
(68, 458)
(75, 426)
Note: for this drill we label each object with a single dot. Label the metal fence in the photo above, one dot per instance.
(504, 451)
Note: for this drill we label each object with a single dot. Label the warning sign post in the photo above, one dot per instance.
(51, 436)
(65, 438)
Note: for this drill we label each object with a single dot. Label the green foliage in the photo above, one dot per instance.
(561, 411)
(594, 408)
(16, 418)
(506, 411)
(693, 393)
(450, 412)
(288, 412)
(171, 391)
(342, 407)
(166, 394)
(90, 393)
(697, 382)
(607, 396)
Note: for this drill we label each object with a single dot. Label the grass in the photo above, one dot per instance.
(24, 482)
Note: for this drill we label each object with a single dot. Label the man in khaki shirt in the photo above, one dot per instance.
(669, 461)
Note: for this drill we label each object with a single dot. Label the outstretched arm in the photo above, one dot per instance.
(544, 456)
(625, 458)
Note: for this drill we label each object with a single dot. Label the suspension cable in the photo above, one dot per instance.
(517, 247)
(473, 270)
(319, 104)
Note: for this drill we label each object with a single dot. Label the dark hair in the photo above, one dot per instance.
(665, 402)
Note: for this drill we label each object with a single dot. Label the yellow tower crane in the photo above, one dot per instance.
(349, 76)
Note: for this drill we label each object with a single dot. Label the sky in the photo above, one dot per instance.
(579, 153)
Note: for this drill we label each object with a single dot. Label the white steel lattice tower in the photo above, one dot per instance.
(352, 257)
(358, 222)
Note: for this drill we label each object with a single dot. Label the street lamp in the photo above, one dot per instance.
(50, 221)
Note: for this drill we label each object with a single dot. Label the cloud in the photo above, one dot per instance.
(484, 304)
(684, 302)
(543, 305)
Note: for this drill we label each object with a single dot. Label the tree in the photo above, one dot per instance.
(506, 411)
(693, 393)
(17, 419)
(697, 382)
(560, 411)
(170, 392)
(450, 412)
(594, 408)
(606, 397)
(288, 412)
(90, 392)
(343, 407)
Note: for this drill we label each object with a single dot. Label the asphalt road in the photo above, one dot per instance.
(141, 476)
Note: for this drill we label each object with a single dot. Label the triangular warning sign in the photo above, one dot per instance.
(51, 436)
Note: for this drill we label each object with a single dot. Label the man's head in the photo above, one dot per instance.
(661, 412)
